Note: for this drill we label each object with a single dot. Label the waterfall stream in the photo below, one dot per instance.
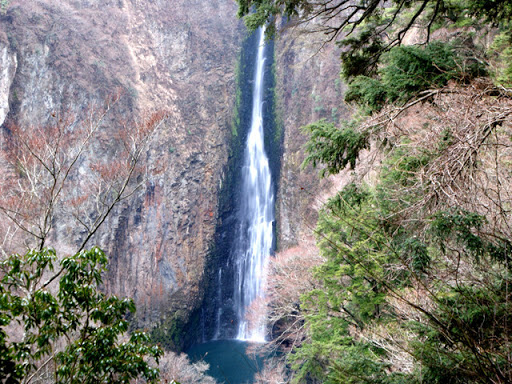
(253, 245)
(233, 316)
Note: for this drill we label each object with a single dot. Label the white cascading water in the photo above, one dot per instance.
(256, 217)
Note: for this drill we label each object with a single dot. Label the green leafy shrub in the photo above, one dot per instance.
(78, 328)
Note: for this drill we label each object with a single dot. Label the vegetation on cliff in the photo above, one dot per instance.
(413, 284)
(56, 324)
(370, 28)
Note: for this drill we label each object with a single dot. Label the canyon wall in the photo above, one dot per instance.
(178, 56)
(308, 89)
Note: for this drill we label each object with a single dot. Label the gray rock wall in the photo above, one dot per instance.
(309, 89)
(174, 55)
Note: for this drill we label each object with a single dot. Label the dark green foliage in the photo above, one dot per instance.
(100, 357)
(362, 25)
(332, 355)
(407, 71)
(171, 333)
(417, 251)
(501, 50)
(398, 187)
(401, 167)
(493, 11)
(87, 322)
(358, 365)
(457, 344)
(464, 227)
(340, 359)
(353, 293)
(352, 197)
(261, 12)
(459, 224)
(259, 17)
(334, 147)
(361, 54)
(471, 346)
(376, 252)
(367, 92)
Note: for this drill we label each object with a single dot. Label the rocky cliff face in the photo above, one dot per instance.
(178, 56)
(173, 55)
(308, 89)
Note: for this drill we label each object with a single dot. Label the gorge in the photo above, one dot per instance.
(256, 217)
(350, 217)
(181, 58)
(245, 266)
(253, 223)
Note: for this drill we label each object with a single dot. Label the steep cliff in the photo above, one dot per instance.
(308, 89)
(173, 55)
(179, 56)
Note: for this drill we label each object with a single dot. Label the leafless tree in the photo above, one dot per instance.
(178, 368)
(52, 177)
(53, 183)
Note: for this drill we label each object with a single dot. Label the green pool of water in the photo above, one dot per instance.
(231, 361)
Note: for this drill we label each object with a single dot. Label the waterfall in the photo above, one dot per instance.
(253, 244)
(244, 234)
(219, 304)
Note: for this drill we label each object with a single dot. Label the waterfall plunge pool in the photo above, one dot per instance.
(231, 361)
(236, 361)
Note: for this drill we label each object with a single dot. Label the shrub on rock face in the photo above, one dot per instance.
(367, 92)
(502, 49)
(408, 70)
